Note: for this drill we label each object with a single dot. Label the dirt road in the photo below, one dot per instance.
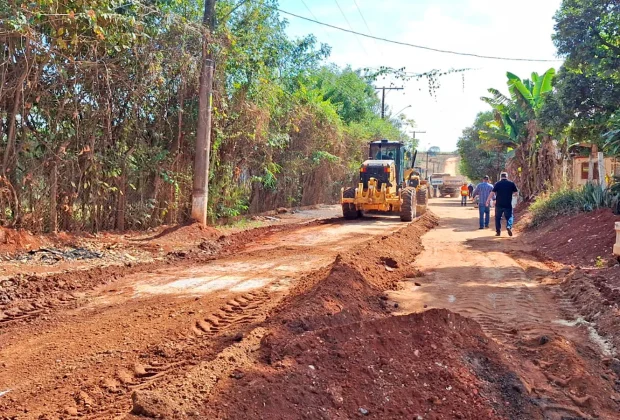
(274, 330)
(82, 358)
(502, 284)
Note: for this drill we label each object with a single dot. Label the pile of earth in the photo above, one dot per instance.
(12, 241)
(433, 365)
(334, 351)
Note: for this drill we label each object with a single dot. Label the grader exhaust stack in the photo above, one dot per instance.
(387, 184)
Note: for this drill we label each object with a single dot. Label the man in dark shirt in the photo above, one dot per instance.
(503, 192)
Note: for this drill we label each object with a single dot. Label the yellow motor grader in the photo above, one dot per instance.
(388, 183)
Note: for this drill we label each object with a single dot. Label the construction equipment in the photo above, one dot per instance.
(388, 183)
(451, 185)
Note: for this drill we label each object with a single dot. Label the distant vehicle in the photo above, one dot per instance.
(437, 179)
(447, 184)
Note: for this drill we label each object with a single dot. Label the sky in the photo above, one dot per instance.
(504, 28)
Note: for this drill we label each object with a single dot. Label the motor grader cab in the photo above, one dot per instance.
(387, 183)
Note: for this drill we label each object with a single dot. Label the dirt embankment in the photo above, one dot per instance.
(333, 350)
(578, 240)
(584, 242)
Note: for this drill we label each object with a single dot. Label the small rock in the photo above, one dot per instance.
(311, 367)
(364, 412)
(396, 305)
(71, 411)
(417, 284)
(237, 374)
(416, 353)
(388, 268)
(543, 340)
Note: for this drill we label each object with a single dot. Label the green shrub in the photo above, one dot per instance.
(569, 201)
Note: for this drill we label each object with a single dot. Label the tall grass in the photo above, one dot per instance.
(569, 201)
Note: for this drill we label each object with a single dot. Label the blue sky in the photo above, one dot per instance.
(488, 27)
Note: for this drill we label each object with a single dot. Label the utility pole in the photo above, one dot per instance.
(200, 190)
(413, 133)
(383, 89)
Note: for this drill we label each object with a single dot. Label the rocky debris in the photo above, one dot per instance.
(53, 255)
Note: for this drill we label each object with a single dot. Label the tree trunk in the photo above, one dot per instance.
(54, 197)
(122, 202)
(12, 117)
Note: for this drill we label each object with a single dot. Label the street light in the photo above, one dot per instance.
(399, 112)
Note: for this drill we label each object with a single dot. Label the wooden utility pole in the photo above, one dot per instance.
(200, 191)
(383, 89)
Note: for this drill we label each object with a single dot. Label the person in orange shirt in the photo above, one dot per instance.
(464, 194)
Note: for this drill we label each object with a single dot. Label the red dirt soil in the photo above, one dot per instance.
(585, 242)
(576, 240)
(332, 350)
(25, 295)
(435, 365)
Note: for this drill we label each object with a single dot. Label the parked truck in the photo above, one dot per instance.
(451, 185)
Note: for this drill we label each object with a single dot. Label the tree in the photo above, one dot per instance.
(534, 159)
(481, 154)
(587, 34)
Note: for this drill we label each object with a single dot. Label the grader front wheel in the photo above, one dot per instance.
(408, 206)
(348, 209)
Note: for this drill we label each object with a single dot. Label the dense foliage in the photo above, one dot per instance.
(587, 88)
(98, 109)
(545, 116)
(481, 155)
(567, 201)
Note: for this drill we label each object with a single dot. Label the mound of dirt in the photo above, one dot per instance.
(351, 290)
(177, 237)
(576, 240)
(334, 352)
(13, 241)
(433, 365)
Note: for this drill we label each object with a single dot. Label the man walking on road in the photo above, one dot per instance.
(503, 191)
(464, 194)
(483, 191)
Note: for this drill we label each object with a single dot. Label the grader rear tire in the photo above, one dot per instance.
(348, 209)
(421, 201)
(408, 207)
(421, 197)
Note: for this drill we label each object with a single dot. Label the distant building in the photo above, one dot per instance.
(581, 169)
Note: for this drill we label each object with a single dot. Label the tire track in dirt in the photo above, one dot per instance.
(513, 294)
(86, 358)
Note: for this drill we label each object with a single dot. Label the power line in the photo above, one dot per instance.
(406, 44)
(309, 11)
(350, 27)
(366, 24)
